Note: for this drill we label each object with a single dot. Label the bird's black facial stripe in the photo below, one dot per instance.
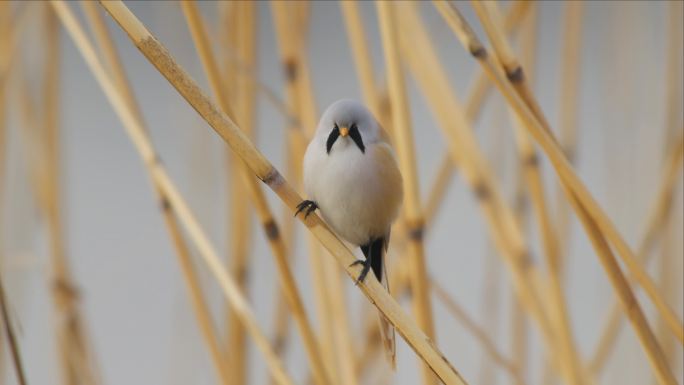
(353, 133)
(334, 134)
(356, 137)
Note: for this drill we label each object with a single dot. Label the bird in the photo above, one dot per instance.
(352, 177)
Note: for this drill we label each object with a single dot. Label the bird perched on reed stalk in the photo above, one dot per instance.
(352, 177)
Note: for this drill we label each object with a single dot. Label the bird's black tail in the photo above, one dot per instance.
(375, 254)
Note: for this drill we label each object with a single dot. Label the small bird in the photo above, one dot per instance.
(351, 175)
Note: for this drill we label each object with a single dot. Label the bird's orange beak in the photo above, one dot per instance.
(344, 131)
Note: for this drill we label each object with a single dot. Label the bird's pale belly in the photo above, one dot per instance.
(357, 201)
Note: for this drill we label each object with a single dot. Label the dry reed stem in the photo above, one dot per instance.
(11, 338)
(290, 43)
(568, 111)
(337, 309)
(200, 307)
(592, 216)
(499, 41)
(403, 137)
(667, 274)
(507, 237)
(175, 200)
(658, 216)
(356, 35)
(263, 210)
(488, 14)
(521, 99)
(337, 335)
(476, 331)
(673, 71)
(158, 56)
(479, 91)
(238, 213)
(64, 292)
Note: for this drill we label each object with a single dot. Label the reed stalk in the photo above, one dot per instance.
(570, 363)
(200, 307)
(11, 338)
(356, 35)
(175, 200)
(594, 220)
(269, 225)
(228, 130)
(568, 111)
(520, 98)
(291, 42)
(336, 320)
(479, 333)
(403, 136)
(660, 211)
(71, 336)
(238, 213)
(433, 82)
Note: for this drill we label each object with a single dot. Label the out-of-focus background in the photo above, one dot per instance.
(135, 306)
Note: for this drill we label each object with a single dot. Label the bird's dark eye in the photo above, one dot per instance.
(356, 137)
(334, 134)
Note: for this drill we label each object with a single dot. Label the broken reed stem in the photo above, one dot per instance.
(570, 364)
(479, 333)
(11, 337)
(226, 128)
(592, 216)
(431, 78)
(175, 200)
(291, 293)
(200, 307)
(403, 138)
(658, 216)
(569, 112)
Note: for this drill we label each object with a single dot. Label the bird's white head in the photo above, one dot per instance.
(347, 122)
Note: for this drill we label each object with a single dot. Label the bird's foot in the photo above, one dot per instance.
(307, 207)
(366, 268)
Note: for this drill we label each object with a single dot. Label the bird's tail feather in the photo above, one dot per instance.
(387, 334)
(375, 251)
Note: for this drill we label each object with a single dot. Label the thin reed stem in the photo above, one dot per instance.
(403, 137)
(507, 237)
(291, 42)
(70, 320)
(11, 337)
(356, 35)
(479, 333)
(657, 218)
(200, 307)
(570, 363)
(175, 200)
(568, 111)
(269, 225)
(593, 218)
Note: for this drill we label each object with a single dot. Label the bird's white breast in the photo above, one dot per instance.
(358, 194)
